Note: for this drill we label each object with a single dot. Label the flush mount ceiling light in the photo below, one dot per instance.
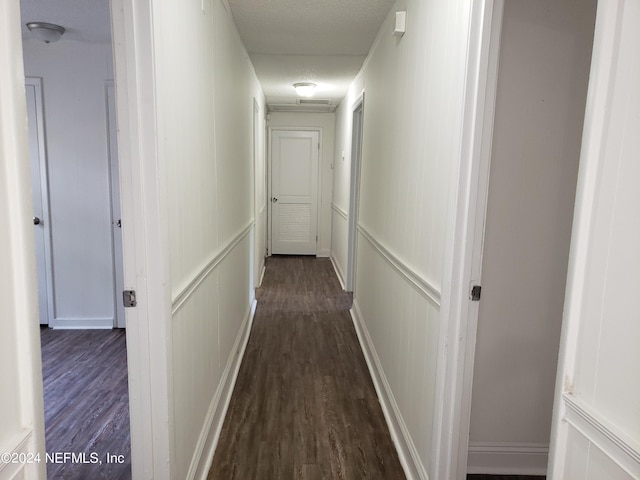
(305, 89)
(46, 32)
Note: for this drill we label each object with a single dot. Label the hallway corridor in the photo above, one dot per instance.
(304, 405)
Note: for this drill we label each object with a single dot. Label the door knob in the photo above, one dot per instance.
(274, 199)
(36, 221)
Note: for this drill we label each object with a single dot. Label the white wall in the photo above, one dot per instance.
(326, 123)
(73, 79)
(205, 96)
(541, 93)
(342, 177)
(22, 419)
(596, 418)
(411, 145)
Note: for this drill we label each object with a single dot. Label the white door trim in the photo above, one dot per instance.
(354, 191)
(44, 187)
(144, 237)
(571, 410)
(270, 171)
(21, 363)
(114, 199)
(465, 235)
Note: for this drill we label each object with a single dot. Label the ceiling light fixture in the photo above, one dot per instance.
(305, 89)
(46, 32)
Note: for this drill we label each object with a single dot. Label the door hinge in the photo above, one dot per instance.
(129, 298)
(476, 291)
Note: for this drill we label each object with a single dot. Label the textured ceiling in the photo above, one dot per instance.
(321, 41)
(309, 27)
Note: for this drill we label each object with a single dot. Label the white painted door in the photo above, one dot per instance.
(39, 189)
(596, 426)
(116, 222)
(294, 191)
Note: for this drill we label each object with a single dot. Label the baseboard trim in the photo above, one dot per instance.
(507, 458)
(323, 253)
(208, 441)
(82, 323)
(407, 452)
(262, 272)
(338, 270)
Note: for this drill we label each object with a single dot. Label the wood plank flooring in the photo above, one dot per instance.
(86, 402)
(304, 405)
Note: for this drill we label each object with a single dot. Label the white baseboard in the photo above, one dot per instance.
(81, 323)
(338, 271)
(264, 269)
(208, 441)
(507, 458)
(411, 464)
(324, 253)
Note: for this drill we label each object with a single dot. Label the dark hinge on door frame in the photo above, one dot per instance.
(129, 298)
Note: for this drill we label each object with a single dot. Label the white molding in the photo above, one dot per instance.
(407, 452)
(339, 211)
(618, 446)
(36, 82)
(145, 243)
(422, 285)
(192, 285)
(22, 360)
(492, 458)
(210, 434)
(338, 270)
(264, 269)
(82, 323)
(463, 247)
(324, 253)
(19, 444)
(569, 410)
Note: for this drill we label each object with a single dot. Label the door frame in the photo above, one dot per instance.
(464, 243)
(269, 179)
(36, 82)
(119, 320)
(144, 232)
(570, 410)
(357, 111)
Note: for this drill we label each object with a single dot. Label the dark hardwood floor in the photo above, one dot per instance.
(304, 405)
(86, 403)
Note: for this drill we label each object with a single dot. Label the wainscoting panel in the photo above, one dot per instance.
(398, 326)
(211, 322)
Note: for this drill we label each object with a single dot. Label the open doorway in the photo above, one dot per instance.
(542, 77)
(354, 190)
(73, 146)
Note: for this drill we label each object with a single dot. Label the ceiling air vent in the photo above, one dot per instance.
(313, 101)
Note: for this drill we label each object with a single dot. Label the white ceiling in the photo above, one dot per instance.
(320, 41)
